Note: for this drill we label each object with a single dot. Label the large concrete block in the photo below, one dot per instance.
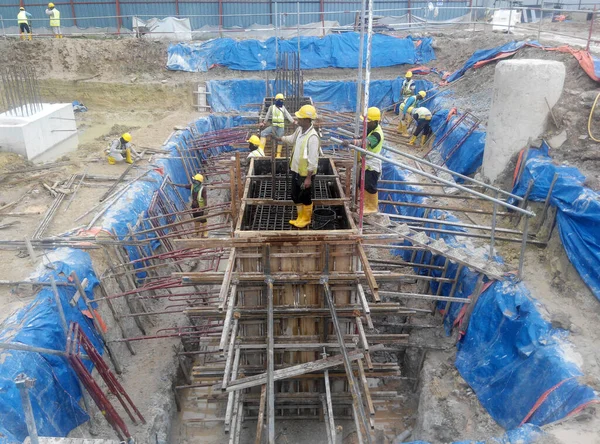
(519, 109)
(44, 136)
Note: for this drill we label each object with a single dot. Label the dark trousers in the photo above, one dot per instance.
(371, 178)
(24, 28)
(299, 194)
(423, 127)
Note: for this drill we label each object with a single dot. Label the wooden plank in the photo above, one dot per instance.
(294, 371)
(368, 272)
(261, 414)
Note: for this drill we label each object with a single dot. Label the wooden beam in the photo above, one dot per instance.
(368, 272)
(261, 415)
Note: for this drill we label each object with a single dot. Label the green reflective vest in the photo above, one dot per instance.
(22, 17)
(55, 18)
(372, 163)
(278, 117)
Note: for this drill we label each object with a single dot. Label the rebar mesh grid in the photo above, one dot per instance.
(263, 189)
(20, 91)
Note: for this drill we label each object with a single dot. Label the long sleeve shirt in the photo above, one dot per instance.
(285, 112)
(312, 148)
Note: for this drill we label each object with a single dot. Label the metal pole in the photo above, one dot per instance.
(541, 19)
(270, 351)
(24, 383)
(523, 245)
(359, 84)
(276, 36)
(587, 47)
(493, 234)
(365, 107)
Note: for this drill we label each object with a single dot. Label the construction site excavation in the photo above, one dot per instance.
(264, 222)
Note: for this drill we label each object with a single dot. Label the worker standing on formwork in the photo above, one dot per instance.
(303, 163)
(408, 88)
(374, 144)
(23, 19)
(423, 118)
(254, 145)
(120, 149)
(199, 201)
(54, 15)
(406, 109)
(277, 113)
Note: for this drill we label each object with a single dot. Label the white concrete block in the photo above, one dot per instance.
(519, 109)
(45, 136)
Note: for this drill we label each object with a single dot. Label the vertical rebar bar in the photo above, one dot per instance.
(20, 91)
(24, 383)
(541, 19)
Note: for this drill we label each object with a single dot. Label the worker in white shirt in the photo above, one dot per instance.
(277, 114)
(303, 163)
(54, 15)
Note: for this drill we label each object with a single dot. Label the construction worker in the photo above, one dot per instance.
(54, 15)
(254, 145)
(374, 144)
(120, 149)
(406, 109)
(303, 163)
(408, 88)
(199, 202)
(277, 113)
(423, 118)
(23, 19)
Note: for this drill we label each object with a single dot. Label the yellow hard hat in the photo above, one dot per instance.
(422, 94)
(279, 96)
(22, 8)
(254, 140)
(199, 177)
(51, 5)
(408, 74)
(373, 114)
(307, 112)
(125, 136)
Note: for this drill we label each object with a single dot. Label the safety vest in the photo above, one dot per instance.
(408, 105)
(303, 161)
(278, 117)
(423, 113)
(198, 197)
(22, 17)
(372, 163)
(55, 18)
(258, 152)
(406, 85)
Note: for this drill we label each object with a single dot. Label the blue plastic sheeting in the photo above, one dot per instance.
(235, 95)
(578, 213)
(332, 51)
(56, 393)
(487, 54)
(527, 434)
(468, 157)
(514, 360)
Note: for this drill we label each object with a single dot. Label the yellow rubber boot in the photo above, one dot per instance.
(29, 36)
(306, 216)
(299, 211)
(423, 138)
(198, 227)
(412, 140)
(128, 158)
(279, 148)
(371, 205)
(111, 160)
(22, 36)
(400, 127)
(204, 233)
(404, 129)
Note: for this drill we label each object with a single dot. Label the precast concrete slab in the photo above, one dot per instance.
(44, 136)
(524, 92)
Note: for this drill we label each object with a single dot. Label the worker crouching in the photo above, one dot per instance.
(255, 148)
(120, 149)
(423, 118)
(373, 144)
(303, 163)
(406, 109)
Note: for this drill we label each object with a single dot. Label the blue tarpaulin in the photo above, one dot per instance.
(515, 361)
(56, 393)
(578, 212)
(332, 51)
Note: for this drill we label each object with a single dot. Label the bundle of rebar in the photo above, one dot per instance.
(20, 91)
(289, 80)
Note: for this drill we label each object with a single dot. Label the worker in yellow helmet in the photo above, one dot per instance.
(23, 20)
(406, 109)
(407, 88)
(303, 163)
(255, 148)
(120, 149)
(423, 118)
(199, 200)
(277, 114)
(54, 16)
(374, 144)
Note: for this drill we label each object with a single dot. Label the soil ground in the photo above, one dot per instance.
(126, 87)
